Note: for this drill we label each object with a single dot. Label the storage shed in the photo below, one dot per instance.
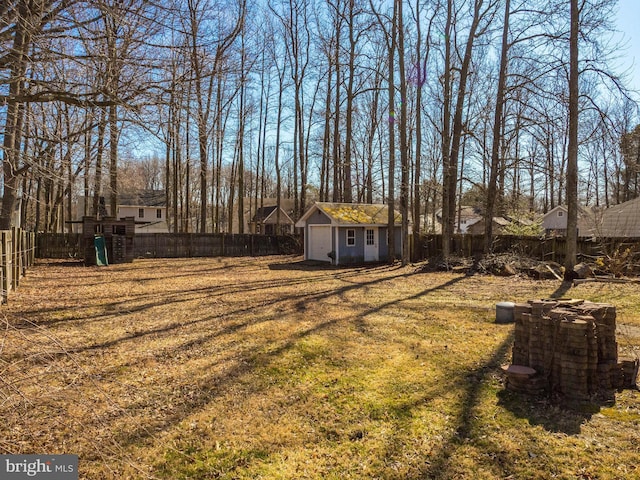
(349, 233)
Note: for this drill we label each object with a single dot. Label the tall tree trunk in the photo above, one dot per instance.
(113, 159)
(572, 154)
(404, 145)
(326, 141)
(392, 140)
(421, 72)
(15, 112)
(447, 208)
(88, 136)
(492, 188)
(346, 176)
(371, 135)
(458, 126)
(277, 152)
(241, 140)
(97, 189)
(113, 74)
(337, 184)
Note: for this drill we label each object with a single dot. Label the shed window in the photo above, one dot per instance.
(351, 238)
(159, 213)
(141, 213)
(560, 213)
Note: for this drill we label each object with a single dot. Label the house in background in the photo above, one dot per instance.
(554, 222)
(147, 207)
(348, 233)
(267, 221)
(257, 222)
(622, 221)
(465, 218)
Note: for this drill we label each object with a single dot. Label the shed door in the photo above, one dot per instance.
(319, 243)
(371, 245)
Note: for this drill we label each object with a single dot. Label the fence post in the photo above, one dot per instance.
(24, 251)
(15, 259)
(4, 259)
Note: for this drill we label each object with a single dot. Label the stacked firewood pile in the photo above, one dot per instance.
(568, 349)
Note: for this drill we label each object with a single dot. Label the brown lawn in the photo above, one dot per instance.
(269, 368)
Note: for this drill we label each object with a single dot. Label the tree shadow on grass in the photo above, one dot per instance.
(317, 265)
(561, 290)
(552, 416)
(439, 465)
(303, 265)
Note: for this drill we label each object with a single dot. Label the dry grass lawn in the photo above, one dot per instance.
(267, 368)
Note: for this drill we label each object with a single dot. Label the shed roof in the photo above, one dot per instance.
(353, 213)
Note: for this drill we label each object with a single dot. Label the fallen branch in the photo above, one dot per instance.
(554, 273)
(578, 281)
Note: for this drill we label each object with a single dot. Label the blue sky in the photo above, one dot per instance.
(628, 22)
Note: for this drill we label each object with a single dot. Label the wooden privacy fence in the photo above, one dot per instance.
(177, 245)
(170, 245)
(550, 249)
(17, 253)
(59, 245)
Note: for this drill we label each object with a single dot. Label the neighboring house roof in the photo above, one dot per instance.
(144, 198)
(555, 209)
(622, 220)
(352, 213)
(264, 213)
(471, 214)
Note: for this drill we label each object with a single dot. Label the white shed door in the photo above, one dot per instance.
(319, 243)
(371, 245)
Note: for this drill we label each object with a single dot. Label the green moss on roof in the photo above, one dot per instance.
(354, 213)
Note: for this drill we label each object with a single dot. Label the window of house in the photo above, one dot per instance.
(159, 213)
(351, 238)
(371, 237)
(141, 213)
(560, 213)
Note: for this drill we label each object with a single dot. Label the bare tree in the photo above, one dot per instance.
(572, 157)
(29, 16)
(492, 189)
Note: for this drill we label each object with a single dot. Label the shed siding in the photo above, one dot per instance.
(384, 245)
(318, 218)
(354, 254)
